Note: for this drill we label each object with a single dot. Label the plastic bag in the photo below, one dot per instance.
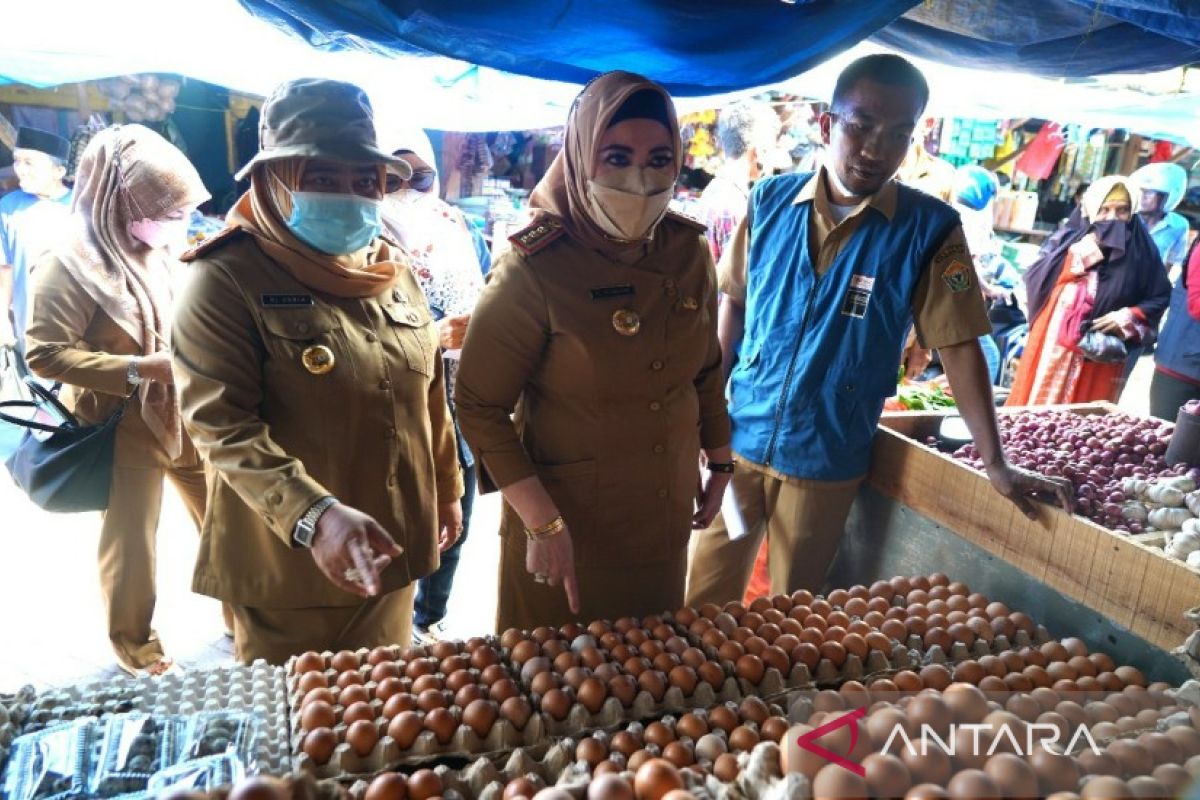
(135, 747)
(1103, 348)
(53, 764)
(220, 733)
(200, 775)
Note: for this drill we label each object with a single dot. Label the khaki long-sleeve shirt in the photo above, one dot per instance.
(612, 424)
(72, 340)
(374, 431)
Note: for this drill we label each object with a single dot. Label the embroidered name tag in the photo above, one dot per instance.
(286, 300)
(858, 296)
(957, 276)
(604, 292)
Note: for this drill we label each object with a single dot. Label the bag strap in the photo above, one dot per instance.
(29, 423)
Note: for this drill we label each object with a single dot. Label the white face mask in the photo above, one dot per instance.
(409, 197)
(628, 203)
(161, 234)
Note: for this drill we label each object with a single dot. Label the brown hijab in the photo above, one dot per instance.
(129, 173)
(262, 210)
(563, 191)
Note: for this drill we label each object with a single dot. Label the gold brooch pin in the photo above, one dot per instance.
(690, 304)
(318, 359)
(626, 322)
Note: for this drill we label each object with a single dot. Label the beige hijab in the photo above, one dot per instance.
(1116, 186)
(262, 210)
(129, 173)
(563, 191)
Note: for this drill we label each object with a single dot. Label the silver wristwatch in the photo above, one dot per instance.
(132, 376)
(306, 526)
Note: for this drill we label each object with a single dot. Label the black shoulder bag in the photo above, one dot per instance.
(61, 464)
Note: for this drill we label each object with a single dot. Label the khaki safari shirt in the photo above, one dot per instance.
(280, 432)
(614, 374)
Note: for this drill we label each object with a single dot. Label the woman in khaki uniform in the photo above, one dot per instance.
(599, 328)
(99, 322)
(312, 384)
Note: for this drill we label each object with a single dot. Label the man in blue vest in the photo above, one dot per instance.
(821, 282)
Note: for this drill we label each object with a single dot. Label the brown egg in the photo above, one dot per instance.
(1133, 758)
(926, 791)
(545, 681)
(319, 745)
(1130, 675)
(655, 778)
(655, 683)
(609, 787)
(743, 739)
(886, 775)
(405, 727)
(972, 784)
(681, 754)
(556, 703)
(479, 715)
(358, 711)
(384, 670)
(969, 672)
(424, 784)
(835, 781)
(931, 710)
(312, 680)
(308, 662)
(835, 652)
(1173, 777)
(1102, 763)
(318, 714)
(345, 660)
(624, 688)
(725, 768)
(442, 723)
(388, 786)
(503, 689)
(1046, 698)
(1162, 748)
(966, 702)
(931, 766)
(1104, 786)
(1013, 776)
(362, 736)
(750, 668)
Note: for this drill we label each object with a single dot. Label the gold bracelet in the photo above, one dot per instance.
(554, 526)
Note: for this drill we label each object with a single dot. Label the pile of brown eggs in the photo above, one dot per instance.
(609, 687)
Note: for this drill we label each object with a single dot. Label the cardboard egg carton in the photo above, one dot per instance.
(387, 754)
(613, 714)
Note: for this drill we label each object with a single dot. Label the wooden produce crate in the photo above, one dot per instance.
(1134, 584)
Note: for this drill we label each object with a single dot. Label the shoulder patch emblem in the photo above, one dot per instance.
(537, 235)
(212, 242)
(957, 276)
(687, 219)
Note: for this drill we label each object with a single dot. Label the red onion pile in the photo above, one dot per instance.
(1095, 452)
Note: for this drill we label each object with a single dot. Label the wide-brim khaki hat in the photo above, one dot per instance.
(319, 118)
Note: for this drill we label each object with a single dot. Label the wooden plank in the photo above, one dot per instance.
(1132, 583)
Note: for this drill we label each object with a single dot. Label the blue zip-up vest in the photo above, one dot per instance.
(1179, 343)
(820, 355)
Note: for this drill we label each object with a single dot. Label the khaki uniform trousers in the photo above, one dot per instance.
(128, 543)
(604, 592)
(803, 521)
(277, 634)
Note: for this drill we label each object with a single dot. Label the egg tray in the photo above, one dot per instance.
(258, 688)
(387, 755)
(14, 708)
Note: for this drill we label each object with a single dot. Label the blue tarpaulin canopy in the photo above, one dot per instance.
(708, 46)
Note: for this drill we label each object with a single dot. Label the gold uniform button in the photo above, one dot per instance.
(391, 433)
(655, 405)
(658, 448)
(318, 359)
(626, 321)
(656, 364)
(662, 492)
(690, 304)
(372, 338)
(391, 480)
(385, 384)
(274, 498)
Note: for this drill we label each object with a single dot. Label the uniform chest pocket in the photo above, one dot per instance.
(292, 330)
(415, 331)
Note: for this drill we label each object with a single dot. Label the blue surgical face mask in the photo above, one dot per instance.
(337, 224)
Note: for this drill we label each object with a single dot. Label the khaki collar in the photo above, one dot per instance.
(883, 201)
